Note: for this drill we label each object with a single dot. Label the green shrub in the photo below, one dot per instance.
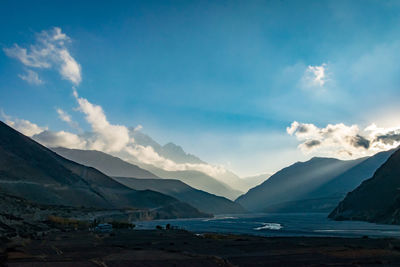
(62, 222)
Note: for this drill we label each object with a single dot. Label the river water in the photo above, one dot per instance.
(280, 224)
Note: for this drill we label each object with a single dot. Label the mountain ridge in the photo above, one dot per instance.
(98, 160)
(177, 154)
(293, 183)
(199, 199)
(198, 180)
(32, 171)
(377, 199)
(114, 166)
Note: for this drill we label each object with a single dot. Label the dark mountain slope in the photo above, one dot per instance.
(376, 199)
(31, 171)
(201, 200)
(326, 197)
(294, 183)
(107, 164)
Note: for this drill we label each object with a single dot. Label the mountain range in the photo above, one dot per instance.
(196, 179)
(170, 150)
(295, 188)
(199, 199)
(95, 180)
(317, 185)
(226, 183)
(107, 164)
(33, 172)
(127, 174)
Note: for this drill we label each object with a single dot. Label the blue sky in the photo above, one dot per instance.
(224, 79)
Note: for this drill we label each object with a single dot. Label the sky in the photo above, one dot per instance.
(250, 86)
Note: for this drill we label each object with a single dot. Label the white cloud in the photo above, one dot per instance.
(33, 59)
(49, 51)
(69, 69)
(60, 139)
(25, 127)
(64, 116)
(43, 135)
(340, 140)
(58, 35)
(31, 77)
(108, 137)
(147, 155)
(315, 77)
(138, 128)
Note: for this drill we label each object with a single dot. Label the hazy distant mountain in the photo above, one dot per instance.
(197, 180)
(295, 183)
(170, 151)
(31, 171)
(253, 181)
(114, 166)
(105, 163)
(201, 200)
(235, 182)
(376, 199)
(177, 154)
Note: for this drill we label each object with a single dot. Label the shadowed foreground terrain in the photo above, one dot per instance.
(182, 248)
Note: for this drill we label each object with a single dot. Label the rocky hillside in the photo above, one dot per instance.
(376, 199)
(33, 172)
(22, 218)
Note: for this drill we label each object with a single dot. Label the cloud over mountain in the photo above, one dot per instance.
(344, 141)
(24, 126)
(106, 137)
(60, 138)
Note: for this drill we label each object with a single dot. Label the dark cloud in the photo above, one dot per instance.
(302, 128)
(390, 138)
(312, 143)
(359, 141)
(330, 130)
